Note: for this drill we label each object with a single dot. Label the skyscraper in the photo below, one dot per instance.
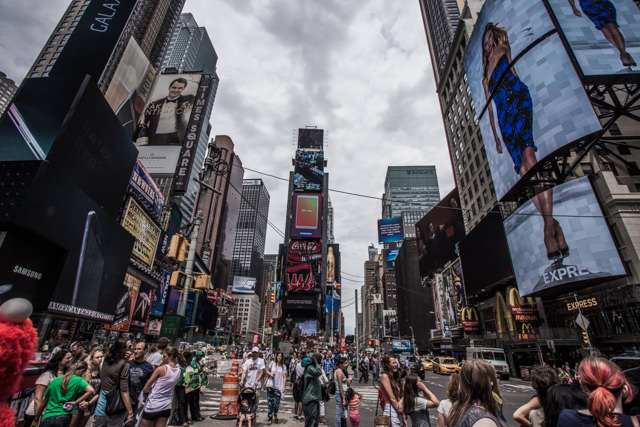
(409, 192)
(7, 89)
(441, 20)
(251, 232)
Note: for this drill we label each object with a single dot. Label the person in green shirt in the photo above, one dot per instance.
(312, 394)
(63, 395)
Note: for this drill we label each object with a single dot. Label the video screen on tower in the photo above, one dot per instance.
(306, 215)
(572, 245)
(309, 171)
(604, 35)
(528, 99)
(304, 262)
(310, 139)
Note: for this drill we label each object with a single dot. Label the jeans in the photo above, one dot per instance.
(109, 421)
(273, 397)
(56, 421)
(311, 416)
(339, 410)
(364, 375)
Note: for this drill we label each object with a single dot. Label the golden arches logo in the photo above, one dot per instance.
(527, 329)
(503, 315)
(469, 313)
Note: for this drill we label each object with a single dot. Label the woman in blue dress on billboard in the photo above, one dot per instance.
(603, 15)
(514, 109)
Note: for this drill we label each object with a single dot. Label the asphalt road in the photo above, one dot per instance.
(514, 392)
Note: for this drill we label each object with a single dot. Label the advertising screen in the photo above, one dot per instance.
(304, 263)
(145, 188)
(588, 25)
(438, 233)
(141, 308)
(390, 323)
(126, 304)
(310, 139)
(390, 257)
(131, 83)
(244, 285)
(571, 246)
(308, 171)
(458, 288)
(401, 345)
(528, 98)
(333, 264)
(390, 230)
(146, 232)
(306, 215)
(160, 296)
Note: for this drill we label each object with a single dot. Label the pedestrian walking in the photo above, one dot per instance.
(416, 406)
(114, 388)
(63, 395)
(531, 413)
(607, 387)
(444, 408)
(390, 391)
(159, 387)
(353, 402)
(324, 383)
(297, 389)
(55, 367)
(81, 417)
(364, 369)
(276, 379)
(312, 394)
(343, 382)
(478, 396)
(139, 373)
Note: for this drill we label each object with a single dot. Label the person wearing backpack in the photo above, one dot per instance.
(312, 395)
(297, 390)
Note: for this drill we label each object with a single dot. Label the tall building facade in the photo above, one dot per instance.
(246, 309)
(7, 89)
(251, 232)
(441, 17)
(269, 288)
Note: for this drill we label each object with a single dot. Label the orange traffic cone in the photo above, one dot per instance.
(229, 400)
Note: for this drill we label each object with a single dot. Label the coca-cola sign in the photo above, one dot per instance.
(304, 262)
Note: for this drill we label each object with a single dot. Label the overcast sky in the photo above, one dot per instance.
(360, 70)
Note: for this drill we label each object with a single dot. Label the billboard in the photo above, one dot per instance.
(131, 83)
(300, 302)
(141, 308)
(145, 188)
(145, 231)
(449, 298)
(518, 70)
(308, 172)
(244, 285)
(304, 263)
(401, 345)
(160, 296)
(390, 256)
(438, 233)
(589, 25)
(333, 264)
(310, 139)
(571, 246)
(126, 304)
(390, 230)
(306, 215)
(458, 288)
(390, 322)
(159, 159)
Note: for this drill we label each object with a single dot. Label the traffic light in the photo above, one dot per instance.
(183, 252)
(370, 343)
(177, 279)
(202, 282)
(273, 297)
(585, 337)
(174, 246)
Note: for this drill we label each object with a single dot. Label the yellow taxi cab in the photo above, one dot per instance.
(445, 365)
(427, 364)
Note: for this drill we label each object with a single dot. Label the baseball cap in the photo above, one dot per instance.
(255, 350)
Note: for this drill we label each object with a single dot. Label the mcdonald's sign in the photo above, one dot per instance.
(470, 321)
(528, 332)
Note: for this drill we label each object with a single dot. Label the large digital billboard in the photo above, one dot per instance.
(244, 285)
(390, 230)
(438, 233)
(146, 232)
(304, 263)
(604, 35)
(308, 171)
(310, 139)
(529, 100)
(306, 215)
(572, 245)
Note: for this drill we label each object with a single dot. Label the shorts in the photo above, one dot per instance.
(152, 416)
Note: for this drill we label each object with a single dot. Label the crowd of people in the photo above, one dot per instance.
(138, 385)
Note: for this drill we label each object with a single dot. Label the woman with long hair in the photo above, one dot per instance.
(160, 386)
(416, 406)
(343, 382)
(114, 375)
(179, 417)
(55, 367)
(63, 395)
(91, 376)
(514, 109)
(561, 397)
(444, 408)
(605, 384)
(276, 378)
(479, 399)
(390, 391)
(603, 15)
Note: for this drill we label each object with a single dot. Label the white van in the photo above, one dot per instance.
(495, 356)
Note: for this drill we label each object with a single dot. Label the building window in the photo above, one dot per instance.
(587, 168)
(610, 166)
(485, 196)
(481, 178)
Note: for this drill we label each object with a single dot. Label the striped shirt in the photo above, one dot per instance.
(354, 405)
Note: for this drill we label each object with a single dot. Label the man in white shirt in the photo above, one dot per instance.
(252, 370)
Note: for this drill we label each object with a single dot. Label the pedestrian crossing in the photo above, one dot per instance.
(210, 402)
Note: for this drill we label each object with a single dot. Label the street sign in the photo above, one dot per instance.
(582, 321)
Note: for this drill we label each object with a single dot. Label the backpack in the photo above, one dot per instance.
(298, 387)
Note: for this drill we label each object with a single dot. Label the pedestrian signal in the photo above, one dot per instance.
(585, 337)
(202, 282)
(177, 279)
(273, 297)
(174, 246)
(183, 252)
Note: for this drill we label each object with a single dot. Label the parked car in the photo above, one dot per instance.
(445, 365)
(415, 365)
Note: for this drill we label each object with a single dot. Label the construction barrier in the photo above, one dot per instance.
(229, 400)
(235, 366)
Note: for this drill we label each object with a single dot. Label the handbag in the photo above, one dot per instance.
(325, 393)
(114, 404)
(381, 420)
